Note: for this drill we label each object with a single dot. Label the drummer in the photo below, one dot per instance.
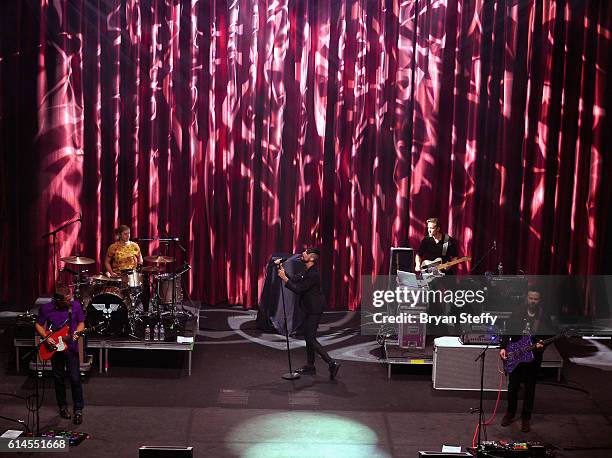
(123, 254)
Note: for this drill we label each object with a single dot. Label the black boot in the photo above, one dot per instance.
(334, 367)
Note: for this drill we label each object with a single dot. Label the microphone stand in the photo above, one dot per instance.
(486, 255)
(34, 353)
(53, 235)
(481, 357)
(291, 375)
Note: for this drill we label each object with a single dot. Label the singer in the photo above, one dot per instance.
(123, 254)
(53, 316)
(307, 285)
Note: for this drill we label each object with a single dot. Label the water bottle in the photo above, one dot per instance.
(156, 333)
(148, 333)
(162, 333)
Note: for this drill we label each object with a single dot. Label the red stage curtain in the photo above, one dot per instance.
(247, 127)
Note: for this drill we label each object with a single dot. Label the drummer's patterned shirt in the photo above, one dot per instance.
(122, 256)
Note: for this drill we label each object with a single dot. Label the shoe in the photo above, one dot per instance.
(64, 412)
(334, 367)
(507, 420)
(525, 427)
(307, 370)
(78, 418)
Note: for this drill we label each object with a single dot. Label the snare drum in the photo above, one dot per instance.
(108, 311)
(131, 279)
(165, 289)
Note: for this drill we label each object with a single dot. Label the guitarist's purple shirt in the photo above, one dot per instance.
(56, 317)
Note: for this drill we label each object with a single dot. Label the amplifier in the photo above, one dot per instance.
(165, 452)
(480, 335)
(473, 338)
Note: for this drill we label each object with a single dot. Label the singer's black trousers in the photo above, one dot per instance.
(526, 373)
(311, 323)
(59, 362)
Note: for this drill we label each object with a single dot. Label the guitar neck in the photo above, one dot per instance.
(544, 342)
(452, 263)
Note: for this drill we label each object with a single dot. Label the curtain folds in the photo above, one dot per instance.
(247, 127)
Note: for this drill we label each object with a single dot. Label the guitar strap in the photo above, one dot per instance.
(445, 246)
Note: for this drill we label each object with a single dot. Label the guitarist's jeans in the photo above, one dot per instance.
(311, 323)
(59, 362)
(527, 374)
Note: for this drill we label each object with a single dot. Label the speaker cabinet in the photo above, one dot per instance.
(455, 366)
(158, 451)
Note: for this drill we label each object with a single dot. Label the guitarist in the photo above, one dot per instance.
(531, 320)
(62, 311)
(436, 245)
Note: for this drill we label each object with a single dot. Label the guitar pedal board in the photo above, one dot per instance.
(507, 449)
(74, 437)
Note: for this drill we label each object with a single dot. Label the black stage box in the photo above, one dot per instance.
(159, 451)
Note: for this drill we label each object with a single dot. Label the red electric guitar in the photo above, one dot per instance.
(61, 337)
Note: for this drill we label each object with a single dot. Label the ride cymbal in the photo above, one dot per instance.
(159, 259)
(80, 260)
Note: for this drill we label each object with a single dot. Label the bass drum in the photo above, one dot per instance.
(108, 312)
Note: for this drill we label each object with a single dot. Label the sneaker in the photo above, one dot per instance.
(507, 420)
(525, 427)
(78, 417)
(334, 367)
(307, 370)
(63, 411)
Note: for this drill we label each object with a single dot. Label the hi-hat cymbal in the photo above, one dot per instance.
(159, 259)
(82, 260)
(150, 269)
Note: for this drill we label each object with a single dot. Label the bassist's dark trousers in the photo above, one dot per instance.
(527, 374)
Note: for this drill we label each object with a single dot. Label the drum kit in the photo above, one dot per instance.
(124, 305)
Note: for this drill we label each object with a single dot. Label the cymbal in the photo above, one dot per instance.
(150, 269)
(82, 260)
(159, 259)
(101, 278)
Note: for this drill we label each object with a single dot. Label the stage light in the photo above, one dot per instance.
(297, 433)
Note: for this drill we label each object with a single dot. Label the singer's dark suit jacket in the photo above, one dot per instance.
(307, 285)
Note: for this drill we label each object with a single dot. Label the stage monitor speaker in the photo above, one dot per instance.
(158, 451)
(401, 259)
(444, 454)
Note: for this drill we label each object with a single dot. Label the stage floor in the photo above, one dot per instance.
(235, 404)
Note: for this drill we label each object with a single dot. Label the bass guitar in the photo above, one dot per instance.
(61, 337)
(521, 351)
(435, 266)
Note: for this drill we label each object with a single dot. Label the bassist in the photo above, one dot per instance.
(528, 320)
(62, 311)
(436, 245)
